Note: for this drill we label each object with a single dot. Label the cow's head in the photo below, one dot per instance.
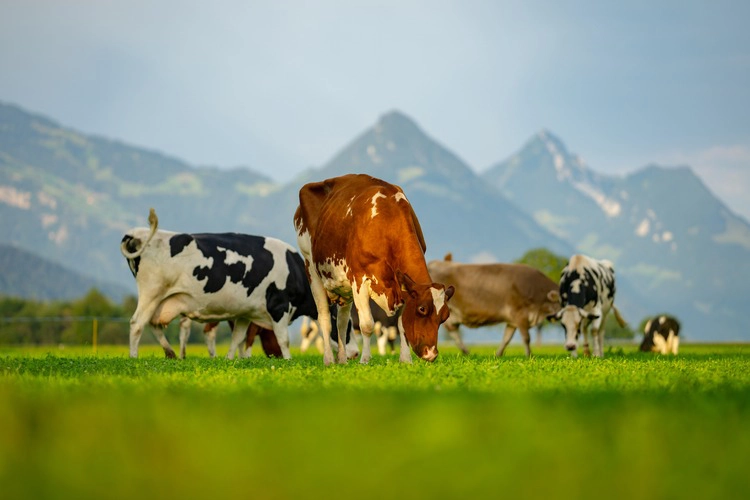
(572, 319)
(425, 308)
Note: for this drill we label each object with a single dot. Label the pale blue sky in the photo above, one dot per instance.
(283, 85)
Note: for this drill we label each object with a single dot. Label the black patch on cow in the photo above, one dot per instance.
(131, 245)
(298, 287)
(178, 243)
(215, 246)
(588, 292)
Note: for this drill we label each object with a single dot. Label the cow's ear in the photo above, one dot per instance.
(553, 296)
(406, 283)
(449, 292)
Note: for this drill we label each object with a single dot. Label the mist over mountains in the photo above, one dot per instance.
(68, 197)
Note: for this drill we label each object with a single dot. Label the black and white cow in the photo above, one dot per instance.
(587, 293)
(661, 334)
(215, 277)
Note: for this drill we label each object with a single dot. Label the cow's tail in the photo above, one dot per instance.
(619, 317)
(153, 222)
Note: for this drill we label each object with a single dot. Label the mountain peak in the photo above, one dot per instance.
(397, 123)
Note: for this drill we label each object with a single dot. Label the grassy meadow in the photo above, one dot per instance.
(78, 424)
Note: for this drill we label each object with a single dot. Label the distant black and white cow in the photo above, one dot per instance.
(215, 277)
(587, 292)
(661, 334)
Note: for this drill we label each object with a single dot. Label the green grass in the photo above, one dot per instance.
(78, 425)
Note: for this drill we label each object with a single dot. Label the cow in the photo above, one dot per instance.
(361, 239)
(215, 277)
(385, 329)
(661, 334)
(488, 294)
(268, 340)
(587, 291)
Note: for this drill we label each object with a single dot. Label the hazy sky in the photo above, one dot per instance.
(283, 85)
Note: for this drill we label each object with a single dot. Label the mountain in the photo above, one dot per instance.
(69, 197)
(458, 212)
(678, 245)
(29, 276)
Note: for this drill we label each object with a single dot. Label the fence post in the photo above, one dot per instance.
(93, 342)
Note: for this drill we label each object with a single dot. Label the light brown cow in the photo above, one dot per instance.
(361, 239)
(487, 294)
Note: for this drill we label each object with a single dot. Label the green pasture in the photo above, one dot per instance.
(74, 424)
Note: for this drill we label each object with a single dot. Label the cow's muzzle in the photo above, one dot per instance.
(570, 347)
(430, 353)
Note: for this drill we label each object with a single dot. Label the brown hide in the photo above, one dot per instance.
(487, 294)
(338, 215)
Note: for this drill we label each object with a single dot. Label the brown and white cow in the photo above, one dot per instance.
(361, 239)
(488, 294)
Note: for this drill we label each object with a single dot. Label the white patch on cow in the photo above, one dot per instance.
(643, 228)
(334, 277)
(438, 298)
(662, 320)
(575, 286)
(400, 196)
(233, 257)
(375, 201)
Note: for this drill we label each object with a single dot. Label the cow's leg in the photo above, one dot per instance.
(342, 325)
(381, 334)
(247, 350)
(454, 331)
(209, 331)
(675, 342)
(143, 313)
(405, 356)
(281, 330)
(185, 327)
(597, 327)
(239, 332)
(507, 335)
(159, 334)
(526, 336)
(324, 315)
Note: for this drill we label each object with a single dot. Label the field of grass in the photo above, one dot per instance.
(74, 424)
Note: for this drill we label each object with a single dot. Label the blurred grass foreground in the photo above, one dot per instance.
(631, 425)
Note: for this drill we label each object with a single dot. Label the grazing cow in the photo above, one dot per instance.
(361, 239)
(215, 277)
(587, 290)
(487, 294)
(267, 338)
(662, 335)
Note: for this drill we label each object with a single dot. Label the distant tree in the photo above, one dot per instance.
(613, 330)
(546, 261)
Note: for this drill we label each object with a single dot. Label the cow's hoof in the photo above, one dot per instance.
(170, 354)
